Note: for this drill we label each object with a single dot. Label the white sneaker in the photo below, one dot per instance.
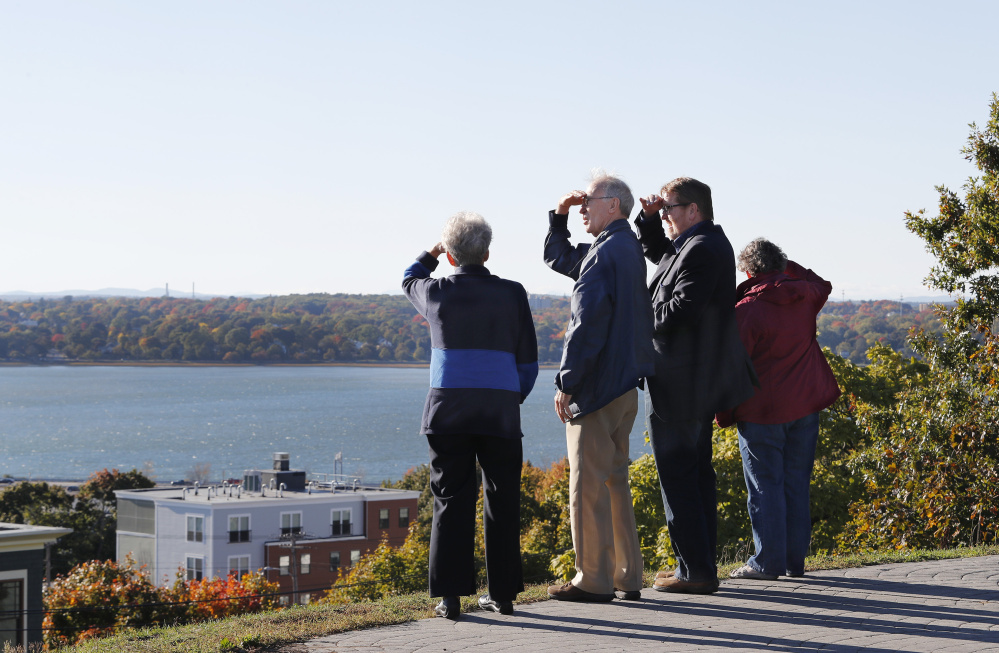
(745, 571)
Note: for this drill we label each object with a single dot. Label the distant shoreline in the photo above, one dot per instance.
(544, 366)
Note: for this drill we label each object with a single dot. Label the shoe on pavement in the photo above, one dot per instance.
(628, 595)
(666, 573)
(745, 571)
(791, 575)
(503, 607)
(570, 592)
(449, 608)
(677, 586)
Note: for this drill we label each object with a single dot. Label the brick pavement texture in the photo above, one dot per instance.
(943, 606)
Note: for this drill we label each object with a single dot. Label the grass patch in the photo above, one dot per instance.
(257, 632)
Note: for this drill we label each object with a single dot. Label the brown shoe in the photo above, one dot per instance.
(666, 573)
(570, 592)
(677, 586)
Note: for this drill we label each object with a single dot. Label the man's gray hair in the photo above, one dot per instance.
(466, 238)
(611, 186)
(761, 256)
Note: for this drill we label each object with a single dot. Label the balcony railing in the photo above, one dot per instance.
(239, 536)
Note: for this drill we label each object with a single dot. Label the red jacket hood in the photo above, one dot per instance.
(776, 288)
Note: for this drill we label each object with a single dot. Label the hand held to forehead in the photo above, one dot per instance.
(575, 198)
(652, 204)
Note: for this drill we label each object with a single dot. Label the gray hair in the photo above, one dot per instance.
(761, 256)
(466, 238)
(611, 186)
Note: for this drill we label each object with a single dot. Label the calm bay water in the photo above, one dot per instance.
(67, 422)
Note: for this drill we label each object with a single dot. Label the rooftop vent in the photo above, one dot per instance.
(281, 462)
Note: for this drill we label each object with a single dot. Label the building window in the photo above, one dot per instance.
(291, 522)
(305, 562)
(334, 561)
(284, 562)
(12, 612)
(340, 522)
(195, 568)
(355, 557)
(383, 518)
(403, 517)
(195, 528)
(239, 528)
(239, 566)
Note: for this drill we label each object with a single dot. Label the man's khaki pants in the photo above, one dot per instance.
(602, 517)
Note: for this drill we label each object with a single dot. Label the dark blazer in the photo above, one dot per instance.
(701, 365)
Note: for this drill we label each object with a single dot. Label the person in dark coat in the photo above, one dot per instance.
(483, 365)
(701, 369)
(779, 426)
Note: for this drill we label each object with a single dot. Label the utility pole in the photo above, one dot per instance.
(292, 545)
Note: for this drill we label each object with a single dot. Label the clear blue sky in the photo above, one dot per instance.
(294, 147)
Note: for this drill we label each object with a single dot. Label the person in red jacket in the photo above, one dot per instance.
(779, 426)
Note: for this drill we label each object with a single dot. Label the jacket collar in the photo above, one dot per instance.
(691, 231)
(700, 229)
(479, 270)
(616, 225)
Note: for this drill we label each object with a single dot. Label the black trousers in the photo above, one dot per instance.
(682, 449)
(452, 537)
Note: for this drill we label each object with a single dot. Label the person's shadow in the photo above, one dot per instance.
(880, 609)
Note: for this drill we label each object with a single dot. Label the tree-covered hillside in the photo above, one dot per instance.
(293, 328)
(330, 328)
(850, 328)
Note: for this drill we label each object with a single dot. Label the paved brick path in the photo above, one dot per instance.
(942, 606)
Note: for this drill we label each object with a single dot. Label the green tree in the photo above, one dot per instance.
(932, 468)
(99, 490)
(237, 336)
(385, 571)
(42, 504)
(647, 498)
(102, 485)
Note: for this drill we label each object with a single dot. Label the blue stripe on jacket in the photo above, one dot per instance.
(480, 368)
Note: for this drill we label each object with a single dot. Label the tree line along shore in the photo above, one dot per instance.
(329, 329)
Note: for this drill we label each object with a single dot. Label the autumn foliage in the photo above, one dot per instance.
(99, 598)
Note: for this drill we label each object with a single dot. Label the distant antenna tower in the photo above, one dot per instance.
(192, 290)
(168, 290)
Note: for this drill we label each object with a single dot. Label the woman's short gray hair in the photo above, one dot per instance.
(466, 238)
(761, 256)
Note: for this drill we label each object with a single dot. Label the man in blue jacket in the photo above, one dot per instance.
(483, 365)
(608, 351)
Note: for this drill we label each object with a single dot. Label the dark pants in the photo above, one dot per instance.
(682, 449)
(452, 538)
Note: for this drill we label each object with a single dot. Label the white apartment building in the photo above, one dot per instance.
(221, 530)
